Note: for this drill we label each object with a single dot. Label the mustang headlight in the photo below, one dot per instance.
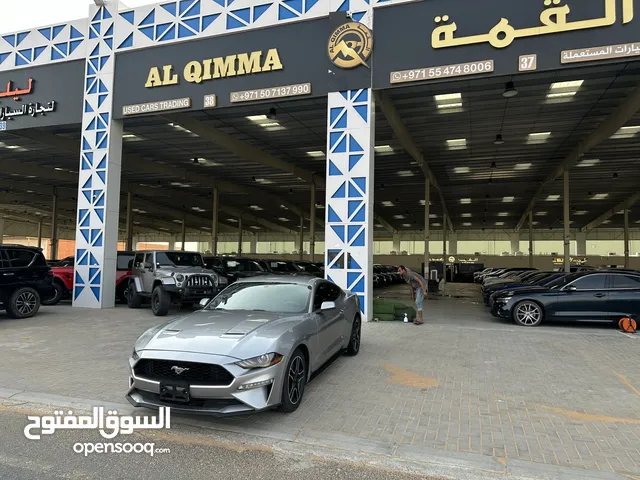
(135, 355)
(261, 361)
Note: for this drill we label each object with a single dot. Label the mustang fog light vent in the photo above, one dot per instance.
(249, 386)
(261, 361)
(135, 355)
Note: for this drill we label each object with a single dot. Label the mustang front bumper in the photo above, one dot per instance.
(248, 391)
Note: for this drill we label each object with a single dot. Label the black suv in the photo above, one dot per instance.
(25, 278)
(234, 268)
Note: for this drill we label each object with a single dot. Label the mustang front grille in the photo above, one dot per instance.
(199, 281)
(193, 373)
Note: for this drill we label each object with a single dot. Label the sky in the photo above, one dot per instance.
(27, 14)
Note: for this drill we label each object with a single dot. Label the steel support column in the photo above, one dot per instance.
(626, 238)
(301, 239)
(239, 236)
(531, 239)
(566, 219)
(214, 221)
(183, 234)
(444, 253)
(129, 230)
(54, 227)
(427, 226)
(312, 224)
(39, 234)
(1, 230)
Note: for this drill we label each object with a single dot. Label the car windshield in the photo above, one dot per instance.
(283, 267)
(308, 267)
(264, 297)
(179, 259)
(242, 266)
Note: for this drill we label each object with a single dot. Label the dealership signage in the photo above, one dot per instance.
(155, 107)
(499, 37)
(218, 67)
(31, 109)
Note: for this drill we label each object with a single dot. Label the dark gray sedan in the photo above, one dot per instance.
(251, 348)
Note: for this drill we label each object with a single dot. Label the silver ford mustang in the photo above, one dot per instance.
(253, 347)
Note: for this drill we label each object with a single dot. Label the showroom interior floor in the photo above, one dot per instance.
(464, 382)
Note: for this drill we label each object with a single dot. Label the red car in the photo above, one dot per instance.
(63, 278)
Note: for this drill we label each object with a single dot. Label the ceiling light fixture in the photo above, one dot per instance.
(522, 166)
(499, 139)
(457, 144)
(465, 201)
(508, 199)
(383, 149)
(510, 90)
(316, 153)
(553, 198)
(461, 170)
(588, 162)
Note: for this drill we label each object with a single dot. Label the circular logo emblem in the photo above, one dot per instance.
(350, 45)
(452, 259)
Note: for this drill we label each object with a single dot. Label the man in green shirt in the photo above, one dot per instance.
(418, 286)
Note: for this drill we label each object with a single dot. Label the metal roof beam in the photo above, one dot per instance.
(385, 224)
(243, 149)
(621, 115)
(407, 142)
(633, 199)
(136, 162)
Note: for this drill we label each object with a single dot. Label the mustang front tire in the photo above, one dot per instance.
(160, 301)
(295, 379)
(354, 341)
(23, 303)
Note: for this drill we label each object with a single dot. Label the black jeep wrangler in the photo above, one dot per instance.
(25, 278)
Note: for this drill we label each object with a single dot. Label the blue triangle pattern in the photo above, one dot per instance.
(354, 146)
(96, 292)
(361, 182)
(353, 160)
(363, 96)
(340, 192)
(353, 206)
(294, 4)
(362, 110)
(77, 291)
(259, 10)
(285, 14)
(171, 8)
(359, 286)
(93, 260)
(361, 215)
(359, 241)
(23, 35)
(309, 4)
(339, 229)
(46, 32)
(129, 16)
(352, 277)
(79, 279)
(352, 230)
(357, 16)
(354, 192)
(96, 279)
(332, 216)
(333, 169)
(208, 20)
(352, 264)
(149, 19)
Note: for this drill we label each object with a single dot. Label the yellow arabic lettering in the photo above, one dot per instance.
(627, 11)
(553, 20)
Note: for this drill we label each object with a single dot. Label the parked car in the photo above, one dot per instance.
(539, 279)
(584, 296)
(63, 278)
(286, 267)
(25, 279)
(309, 267)
(252, 348)
(234, 268)
(512, 277)
(168, 277)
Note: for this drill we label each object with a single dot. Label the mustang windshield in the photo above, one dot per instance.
(264, 297)
(179, 259)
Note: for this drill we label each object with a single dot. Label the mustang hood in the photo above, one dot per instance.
(219, 332)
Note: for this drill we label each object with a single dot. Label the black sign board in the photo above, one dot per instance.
(437, 40)
(41, 96)
(276, 63)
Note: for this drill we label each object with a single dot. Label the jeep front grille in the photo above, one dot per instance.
(193, 373)
(199, 281)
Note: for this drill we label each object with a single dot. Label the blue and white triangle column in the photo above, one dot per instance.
(349, 194)
(100, 166)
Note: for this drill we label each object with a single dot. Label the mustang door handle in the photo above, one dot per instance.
(599, 295)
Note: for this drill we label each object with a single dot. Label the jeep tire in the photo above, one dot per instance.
(134, 300)
(160, 301)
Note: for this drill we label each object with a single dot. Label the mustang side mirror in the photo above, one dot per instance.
(327, 306)
(571, 288)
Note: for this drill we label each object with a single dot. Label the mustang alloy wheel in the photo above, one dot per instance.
(528, 314)
(294, 382)
(354, 341)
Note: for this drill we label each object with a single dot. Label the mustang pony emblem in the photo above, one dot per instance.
(178, 370)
